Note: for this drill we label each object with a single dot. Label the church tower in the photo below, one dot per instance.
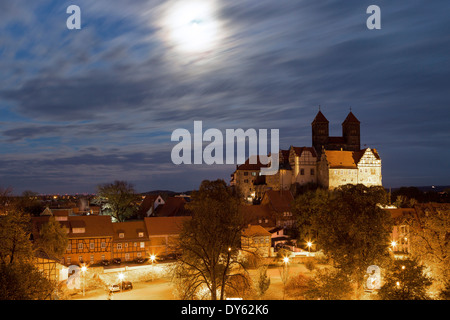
(319, 132)
(351, 132)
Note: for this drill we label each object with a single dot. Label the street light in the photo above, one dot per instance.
(393, 244)
(83, 270)
(152, 259)
(121, 276)
(309, 244)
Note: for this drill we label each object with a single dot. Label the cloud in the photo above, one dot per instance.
(120, 83)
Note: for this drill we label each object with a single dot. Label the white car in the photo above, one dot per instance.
(114, 288)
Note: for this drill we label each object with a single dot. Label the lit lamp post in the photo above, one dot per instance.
(152, 259)
(121, 276)
(393, 245)
(83, 274)
(309, 244)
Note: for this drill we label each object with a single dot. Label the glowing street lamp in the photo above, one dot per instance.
(309, 244)
(393, 244)
(83, 273)
(152, 259)
(121, 276)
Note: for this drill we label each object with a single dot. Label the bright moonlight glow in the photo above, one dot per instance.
(192, 25)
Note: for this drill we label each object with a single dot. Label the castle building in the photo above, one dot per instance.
(330, 162)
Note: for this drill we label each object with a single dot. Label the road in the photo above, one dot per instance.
(162, 289)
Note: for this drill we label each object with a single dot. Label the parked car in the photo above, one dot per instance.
(127, 285)
(114, 288)
(117, 260)
(106, 262)
(139, 260)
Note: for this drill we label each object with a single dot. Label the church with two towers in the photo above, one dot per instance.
(330, 162)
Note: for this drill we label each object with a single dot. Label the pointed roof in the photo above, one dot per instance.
(351, 118)
(320, 118)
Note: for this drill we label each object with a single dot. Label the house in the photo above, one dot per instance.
(402, 218)
(163, 233)
(90, 237)
(280, 203)
(255, 238)
(130, 240)
(338, 168)
(278, 236)
(173, 207)
(258, 215)
(149, 205)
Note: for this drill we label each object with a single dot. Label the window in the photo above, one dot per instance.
(254, 174)
(69, 260)
(312, 172)
(69, 247)
(80, 258)
(245, 173)
(103, 257)
(142, 245)
(126, 244)
(121, 235)
(119, 246)
(92, 258)
(127, 256)
(246, 181)
(140, 234)
(80, 246)
(135, 244)
(138, 254)
(103, 245)
(92, 245)
(302, 172)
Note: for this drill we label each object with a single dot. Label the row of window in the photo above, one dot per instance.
(311, 172)
(352, 171)
(80, 246)
(92, 261)
(119, 246)
(125, 245)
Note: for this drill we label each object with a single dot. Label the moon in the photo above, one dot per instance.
(192, 25)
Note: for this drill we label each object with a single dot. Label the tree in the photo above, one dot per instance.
(430, 243)
(405, 280)
(15, 244)
(52, 238)
(23, 281)
(209, 242)
(307, 208)
(351, 227)
(263, 282)
(329, 284)
(117, 199)
(28, 203)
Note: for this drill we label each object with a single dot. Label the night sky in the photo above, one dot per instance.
(84, 107)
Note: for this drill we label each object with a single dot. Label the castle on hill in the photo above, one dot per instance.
(330, 162)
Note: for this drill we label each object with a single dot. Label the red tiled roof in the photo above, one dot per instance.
(94, 226)
(165, 225)
(130, 229)
(173, 206)
(252, 214)
(340, 159)
(280, 201)
(255, 230)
